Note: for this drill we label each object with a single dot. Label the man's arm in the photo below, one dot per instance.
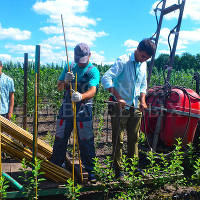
(107, 81)
(114, 92)
(90, 93)
(143, 104)
(61, 85)
(11, 104)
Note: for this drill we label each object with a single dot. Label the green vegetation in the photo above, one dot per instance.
(73, 192)
(3, 187)
(160, 170)
(182, 75)
(31, 179)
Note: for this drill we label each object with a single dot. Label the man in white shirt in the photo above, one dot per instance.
(126, 81)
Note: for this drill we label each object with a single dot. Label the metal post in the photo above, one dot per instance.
(17, 185)
(172, 53)
(25, 91)
(156, 42)
(35, 124)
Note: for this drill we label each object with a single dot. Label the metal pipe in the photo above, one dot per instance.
(13, 181)
(156, 42)
(172, 53)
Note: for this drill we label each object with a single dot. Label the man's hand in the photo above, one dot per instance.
(143, 106)
(69, 76)
(76, 96)
(9, 115)
(121, 102)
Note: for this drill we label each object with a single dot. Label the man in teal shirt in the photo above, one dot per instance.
(7, 94)
(87, 85)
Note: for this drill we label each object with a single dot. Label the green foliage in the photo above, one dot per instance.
(49, 96)
(13, 118)
(161, 169)
(135, 188)
(100, 124)
(196, 175)
(3, 187)
(104, 172)
(175, 166)
(99, 105)
(49, 137)
(31, 179)
(48, 93)
(73, 192)
(183, 62)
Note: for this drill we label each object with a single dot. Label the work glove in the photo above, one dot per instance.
(76, 96)
(69, 76)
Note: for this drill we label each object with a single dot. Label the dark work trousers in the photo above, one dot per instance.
(130, 121)
(64, 127)
(5, 115)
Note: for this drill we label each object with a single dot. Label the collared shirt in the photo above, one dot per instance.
(6, 86)
(128, 77)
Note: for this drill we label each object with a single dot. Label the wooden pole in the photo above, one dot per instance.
(36, 89)
(74, 112)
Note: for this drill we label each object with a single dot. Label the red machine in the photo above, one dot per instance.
(173, 112)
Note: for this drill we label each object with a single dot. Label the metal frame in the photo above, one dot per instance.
(173, 111)
(165, 11)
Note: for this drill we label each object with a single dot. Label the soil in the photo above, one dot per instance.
(47, 125)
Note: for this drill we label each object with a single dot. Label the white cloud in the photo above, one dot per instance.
(48, 53)
(76, 25)
(131, 43)
(58, 57)
(4, 57)
(97, 58)
(21, 49)
(75, 35)
(191, 10)
(101, 52)
(192, 36)
(108, 62)
(131, 49)
(14, 34)
(20, 59)
(163, 51)
(185, 38)
(70, 9)
(51, 30)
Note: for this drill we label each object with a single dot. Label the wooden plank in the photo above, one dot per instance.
(26, 139)
(52, 171)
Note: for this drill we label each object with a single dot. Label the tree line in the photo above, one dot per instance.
(182, 62)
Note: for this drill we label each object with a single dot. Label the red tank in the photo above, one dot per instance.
(178, 110)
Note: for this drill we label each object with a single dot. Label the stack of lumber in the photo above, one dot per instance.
(17, 150)
(25, 137)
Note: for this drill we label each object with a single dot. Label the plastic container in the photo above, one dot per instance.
(179, 111)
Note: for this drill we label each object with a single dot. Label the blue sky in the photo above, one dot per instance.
(110, 27)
